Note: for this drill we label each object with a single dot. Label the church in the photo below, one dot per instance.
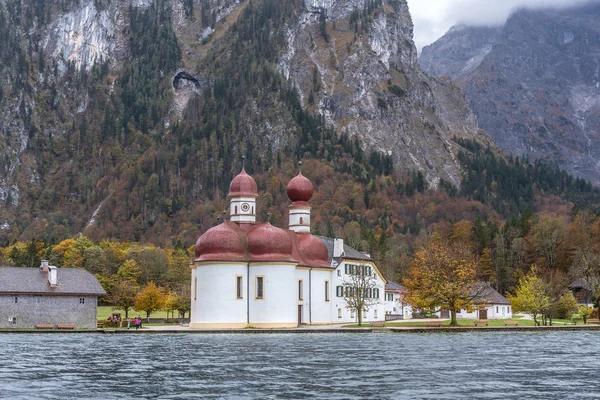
(251, 274)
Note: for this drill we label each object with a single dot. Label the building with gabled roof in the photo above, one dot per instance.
(48, 295)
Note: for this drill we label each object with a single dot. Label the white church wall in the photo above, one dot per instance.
(214, 296)
(321, 303)
(278, 307)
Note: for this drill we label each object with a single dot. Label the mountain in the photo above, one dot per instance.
(534, 83)
(128, 118)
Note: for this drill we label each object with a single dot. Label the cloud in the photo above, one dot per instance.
(433, 18)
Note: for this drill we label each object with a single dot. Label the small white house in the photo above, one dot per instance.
(489, 305)
(395, 306)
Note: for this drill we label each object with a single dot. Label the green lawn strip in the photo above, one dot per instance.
(461, 323)
(105, 311)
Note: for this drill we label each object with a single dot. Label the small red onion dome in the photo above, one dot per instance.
(269, 243)
(243, 185)
(224, 242)
(300, 189)
(313, 250)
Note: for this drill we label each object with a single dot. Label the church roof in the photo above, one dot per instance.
(243, 185)
(349, 252)
(71, 281)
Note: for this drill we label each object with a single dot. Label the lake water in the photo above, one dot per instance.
(553, 365)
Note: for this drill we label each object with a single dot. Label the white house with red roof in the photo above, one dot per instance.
(251, 274)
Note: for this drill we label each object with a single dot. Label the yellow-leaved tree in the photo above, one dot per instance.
(150, 299)
(531, 296)
(442, 276)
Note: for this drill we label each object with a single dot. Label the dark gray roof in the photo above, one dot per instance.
(489, 295)
(349, 252)
(34, 280)
(580, 284)
(395, 287)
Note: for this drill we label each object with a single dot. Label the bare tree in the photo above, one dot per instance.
(360, 289)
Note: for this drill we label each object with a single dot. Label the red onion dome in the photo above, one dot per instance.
(269, 243)
(243, 185)
(300, 189)
(313, 250)
(224, 242)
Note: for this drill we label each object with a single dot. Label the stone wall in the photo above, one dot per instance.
(30, 310)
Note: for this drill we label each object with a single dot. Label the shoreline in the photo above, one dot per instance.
(387, 330)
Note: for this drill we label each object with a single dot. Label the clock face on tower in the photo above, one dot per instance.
(245, 207)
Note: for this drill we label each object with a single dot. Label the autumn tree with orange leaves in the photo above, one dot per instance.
(442, 276)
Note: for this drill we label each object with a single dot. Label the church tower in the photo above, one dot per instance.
(299, 191)
(242, 198)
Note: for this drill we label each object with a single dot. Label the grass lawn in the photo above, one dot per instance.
(468, 323)
(105, 311)
(461, 322)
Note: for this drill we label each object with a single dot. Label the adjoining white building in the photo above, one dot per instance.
(348, 261)
(250, 274)
(395, 305)
(489, 305)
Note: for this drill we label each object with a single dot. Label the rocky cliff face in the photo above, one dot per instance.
(462, 50)
(358, 68)
(537, 89)
(122, 115)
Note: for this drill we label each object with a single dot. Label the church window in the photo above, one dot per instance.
(326, 290)
(195, 288)
(239, 280)
(300, 290)
(260, 287)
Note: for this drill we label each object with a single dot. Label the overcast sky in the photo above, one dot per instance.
(433, 18)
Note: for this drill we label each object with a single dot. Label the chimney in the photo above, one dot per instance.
(44, 266)
(338, 248)
(52, 278)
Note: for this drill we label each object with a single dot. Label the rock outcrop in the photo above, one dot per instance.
(361, 72)
(536, 91)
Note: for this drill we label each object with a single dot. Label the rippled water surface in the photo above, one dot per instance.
(557, 365)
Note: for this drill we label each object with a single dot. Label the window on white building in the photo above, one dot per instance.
(37, 299)
(195, 288)
(239, 289)
(375, 293)
(300, 290)
(16, 299)
(12, 320)
(339, 271)
(375, 313)
(352, 314)
(260, 280)
(496, 309)
(326, 290)
(82, 300)
(339, 291)
(339, 313)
